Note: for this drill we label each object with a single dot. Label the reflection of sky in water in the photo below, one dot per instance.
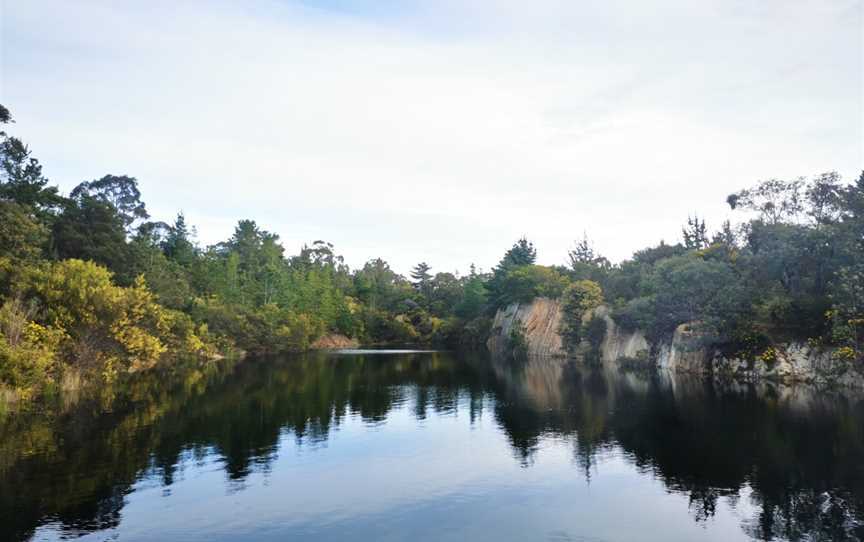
(440, 478)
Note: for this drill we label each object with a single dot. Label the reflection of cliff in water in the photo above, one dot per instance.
(797, 455)
(799, 452)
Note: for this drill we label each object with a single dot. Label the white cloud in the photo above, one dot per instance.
(438, 130)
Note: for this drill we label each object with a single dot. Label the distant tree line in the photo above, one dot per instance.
(90, 283)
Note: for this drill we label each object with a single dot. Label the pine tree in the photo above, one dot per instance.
(695, 234)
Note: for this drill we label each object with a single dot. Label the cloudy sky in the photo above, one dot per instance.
(438, 130)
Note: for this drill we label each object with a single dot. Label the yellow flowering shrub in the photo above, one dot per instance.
(769, 355)
(846, 353)
(85, 320)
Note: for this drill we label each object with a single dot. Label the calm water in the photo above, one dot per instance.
(432, 446)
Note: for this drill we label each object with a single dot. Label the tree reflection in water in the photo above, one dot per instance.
(795, 453)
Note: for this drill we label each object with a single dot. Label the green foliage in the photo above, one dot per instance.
(115, 327)
(28, 351)
(91, 229)
(22, 237)
(177, 243)
(524, 283)
(577, 300)
(516, 345)
(594, 332)
(120, 193)
(847, 313)
(86, 283)
(21, 179)
(473, 300)
(775, 200)
(637, 313)
(522, 253)
(695, 234)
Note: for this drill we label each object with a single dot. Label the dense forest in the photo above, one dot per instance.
(91, 287)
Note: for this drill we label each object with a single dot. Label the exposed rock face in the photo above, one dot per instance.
(684, 354)
(619, 343)
(334, 341)
(539, 321)
(794, 363)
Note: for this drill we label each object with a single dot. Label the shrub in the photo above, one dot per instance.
(636, 314)
(517, 343)
(28, 351)
(107, 325)
(577, 300)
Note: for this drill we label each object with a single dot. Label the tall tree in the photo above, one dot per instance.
(178, 242)
(824, 198)
(21, 178)
(522, 253)
(91, 229)
(423, 280)
(582, 252)
(775, 200)
(695, 234)
(119, 191)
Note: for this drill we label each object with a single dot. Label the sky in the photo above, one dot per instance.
(439, 130)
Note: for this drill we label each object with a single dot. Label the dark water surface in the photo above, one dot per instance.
(433, 446)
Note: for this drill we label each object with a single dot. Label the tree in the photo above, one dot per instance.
(690, 289)
(320, 254)
(378, 286)
(695, 234)
(473, 298)
(177, 243)
(422, 280)
(21, 178)
(420, 273)
(22, 237)
(824, 196)
(585, 263)
(582, 252)
(726, 236)
(578, 298)
(524, 283)
(522, 253)
(121, 192)
(445, 292)
(775, 200)
(91, 229)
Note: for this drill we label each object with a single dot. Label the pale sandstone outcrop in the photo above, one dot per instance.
(539, 320)
(334, 341)
(619, 343)
(684, 353)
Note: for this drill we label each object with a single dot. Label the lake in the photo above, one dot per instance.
(371, 445)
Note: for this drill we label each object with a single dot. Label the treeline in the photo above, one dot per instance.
(794, 271)
(91, 286)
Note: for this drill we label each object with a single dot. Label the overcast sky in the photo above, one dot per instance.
(438, 130)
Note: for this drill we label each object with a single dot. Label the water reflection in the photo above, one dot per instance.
(793, 456)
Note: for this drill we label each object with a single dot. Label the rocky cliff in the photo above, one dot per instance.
(538, 321)
(790, 363)
(619, 343)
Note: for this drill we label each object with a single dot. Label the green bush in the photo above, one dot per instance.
(524, 283)
(577, 300)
